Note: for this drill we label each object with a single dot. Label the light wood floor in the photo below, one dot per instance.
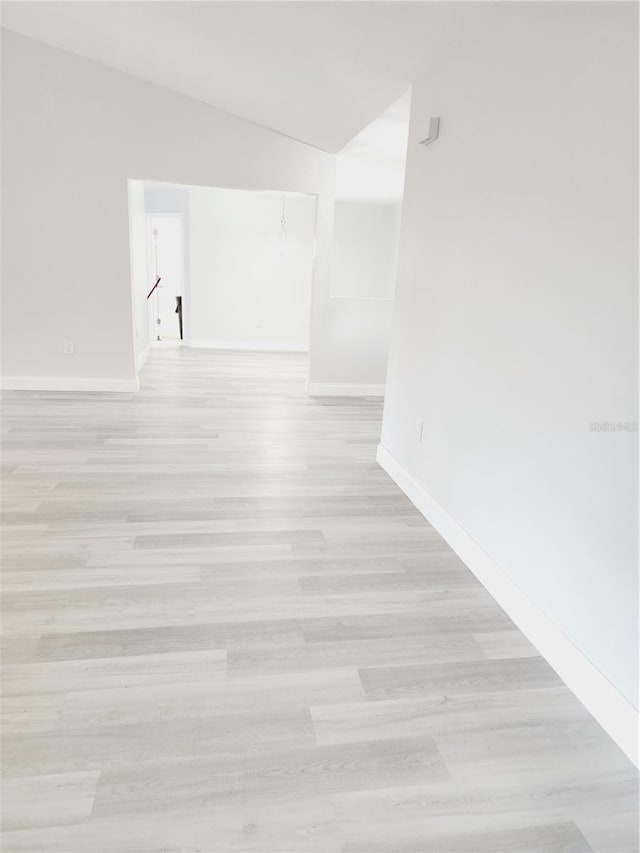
(225, 629)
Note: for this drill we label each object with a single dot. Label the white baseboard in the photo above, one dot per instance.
(144, 355)
(344, 389)
(67, 383)
(254, 346)
(611, 709)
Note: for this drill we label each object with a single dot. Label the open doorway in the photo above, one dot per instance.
(241, 262)
(165, 261)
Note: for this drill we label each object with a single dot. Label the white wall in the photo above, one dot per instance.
(349, 346)
(371, 166)
(350, 335)
(365, 249)
(249, 286)
(73, 133)
(515, 321)
(139, 270)
(366, 178)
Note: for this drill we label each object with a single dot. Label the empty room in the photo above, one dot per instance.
(319, 449)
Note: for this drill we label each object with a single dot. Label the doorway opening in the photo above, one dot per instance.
(239, 263)
(165, 261)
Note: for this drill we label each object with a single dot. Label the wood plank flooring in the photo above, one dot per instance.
(225, 629)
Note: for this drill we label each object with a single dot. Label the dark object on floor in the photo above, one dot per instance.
(178, 311)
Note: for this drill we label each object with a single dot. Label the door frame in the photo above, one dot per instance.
(151, 317)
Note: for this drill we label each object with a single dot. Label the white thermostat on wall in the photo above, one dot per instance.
(432, 133)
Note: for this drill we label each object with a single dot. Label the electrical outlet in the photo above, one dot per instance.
(68, 348)
(419, 429)
(258, 324)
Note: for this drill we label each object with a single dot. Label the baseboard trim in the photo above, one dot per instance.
(611, 709)
(344, 389)
(253, 346)
(68, 383)
(144, 355)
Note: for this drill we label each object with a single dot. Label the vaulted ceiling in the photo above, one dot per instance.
(315, 71)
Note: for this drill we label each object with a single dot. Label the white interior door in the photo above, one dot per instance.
(164, 233)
